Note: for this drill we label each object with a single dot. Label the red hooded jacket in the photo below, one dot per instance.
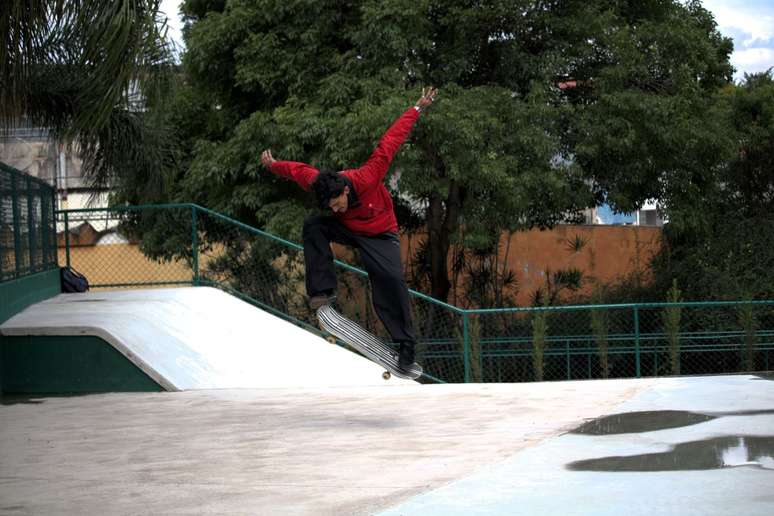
(374, 213)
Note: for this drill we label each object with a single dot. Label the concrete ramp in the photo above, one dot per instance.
(199, 338)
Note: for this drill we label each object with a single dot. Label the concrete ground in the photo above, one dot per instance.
(668, 446)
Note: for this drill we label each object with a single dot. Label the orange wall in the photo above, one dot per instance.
(122, 263)
(610, 252)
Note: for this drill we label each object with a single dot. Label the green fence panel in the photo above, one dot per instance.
(27, 225)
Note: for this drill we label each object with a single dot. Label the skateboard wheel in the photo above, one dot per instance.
(386, 375)
(331, 339)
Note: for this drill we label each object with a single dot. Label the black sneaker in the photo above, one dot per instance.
(406, 354)
(319, 300)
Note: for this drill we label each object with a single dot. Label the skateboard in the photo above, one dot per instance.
(363, 341)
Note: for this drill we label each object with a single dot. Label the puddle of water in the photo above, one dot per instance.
(650, 421)
(636, 422)
(713, 453)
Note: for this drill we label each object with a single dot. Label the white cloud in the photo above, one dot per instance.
(757, 26)
(755, 19)
(753, 60)
(751, 24)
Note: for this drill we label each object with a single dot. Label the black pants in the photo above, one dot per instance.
(381, 258)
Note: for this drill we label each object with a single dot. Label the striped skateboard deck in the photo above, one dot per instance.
(364, 342)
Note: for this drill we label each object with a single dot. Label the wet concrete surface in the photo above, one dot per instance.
(636, 422)
(651, 421)
(685, 446)
(705, 454)
(710, 453)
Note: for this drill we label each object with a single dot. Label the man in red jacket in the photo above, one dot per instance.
(363, 217)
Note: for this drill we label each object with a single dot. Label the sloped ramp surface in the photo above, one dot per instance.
(200, 338)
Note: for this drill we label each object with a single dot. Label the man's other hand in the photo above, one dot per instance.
(428, 94)
(267, 159)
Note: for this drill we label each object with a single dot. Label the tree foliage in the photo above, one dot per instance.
(648, 125)
(545, 107)
(730, 254)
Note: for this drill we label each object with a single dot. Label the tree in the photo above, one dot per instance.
(646, 122)
(89, 71)
(730, 255)
(320, 81)
(509, 144)
(748, 186)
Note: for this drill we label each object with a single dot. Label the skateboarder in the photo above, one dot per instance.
(363, 217)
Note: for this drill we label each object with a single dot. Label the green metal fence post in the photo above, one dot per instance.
(637, 340)
(67, 238)
(55, 243)
(16, 223)
(466, 346)
(30, 224)
(588, 366)
(45, 252)
(567, 357)
(195, 247)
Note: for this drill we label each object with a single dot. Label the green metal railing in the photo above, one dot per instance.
(192, 245)
(27, 230)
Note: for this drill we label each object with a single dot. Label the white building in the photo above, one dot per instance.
(30, 150)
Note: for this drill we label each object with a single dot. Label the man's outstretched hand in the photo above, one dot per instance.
(267, 159)
(428, 94)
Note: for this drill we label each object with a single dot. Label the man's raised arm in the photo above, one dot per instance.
(373, 171)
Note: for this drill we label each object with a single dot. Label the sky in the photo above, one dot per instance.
(174, 24)
(749, 22)
(751, 25)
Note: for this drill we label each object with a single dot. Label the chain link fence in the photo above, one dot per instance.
(188, 245)
(27, 232)
(105, 246)
(620, 341)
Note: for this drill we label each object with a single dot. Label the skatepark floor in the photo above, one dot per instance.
(697, 445)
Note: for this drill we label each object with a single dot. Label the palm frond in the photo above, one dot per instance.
(21, 26)
(88, 71)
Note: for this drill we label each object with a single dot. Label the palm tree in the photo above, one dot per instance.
(77, 67)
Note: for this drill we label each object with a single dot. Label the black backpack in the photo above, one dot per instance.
(72, 280)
